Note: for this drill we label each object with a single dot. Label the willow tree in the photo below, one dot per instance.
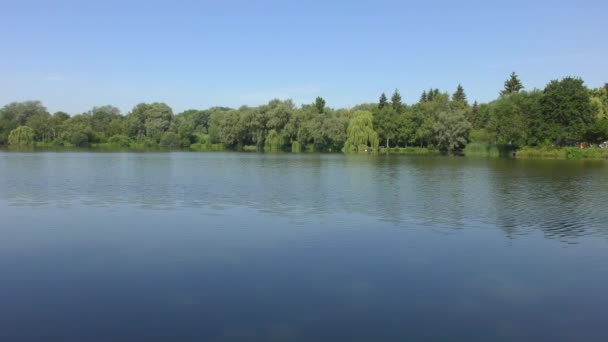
(361, 136)
(274, 141)
(21, 136)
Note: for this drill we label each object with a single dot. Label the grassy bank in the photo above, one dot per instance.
(409, 150)
(573, 153)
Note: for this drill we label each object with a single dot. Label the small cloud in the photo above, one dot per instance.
(54, 77)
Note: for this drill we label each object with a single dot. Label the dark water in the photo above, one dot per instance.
(250, 247)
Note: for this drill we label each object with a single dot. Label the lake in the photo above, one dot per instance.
(301, 247)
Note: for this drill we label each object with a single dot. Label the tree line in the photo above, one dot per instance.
(565, 112)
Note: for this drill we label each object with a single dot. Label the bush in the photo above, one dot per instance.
(170, 140)
(563, 153)
(77, 139)
(119, 140)
(296, 147)
(21, 136)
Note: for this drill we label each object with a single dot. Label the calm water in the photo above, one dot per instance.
(251, 247)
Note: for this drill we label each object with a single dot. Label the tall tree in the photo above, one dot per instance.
(383, 101)
(320, 104)
(396, 101)
(459, 95)
(512, 85)
(386, 123)
(566, 109)
(423, 96)
(475, 116)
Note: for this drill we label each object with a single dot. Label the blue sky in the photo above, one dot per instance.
(74, 55)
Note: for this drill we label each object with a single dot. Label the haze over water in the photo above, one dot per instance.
(300, 247)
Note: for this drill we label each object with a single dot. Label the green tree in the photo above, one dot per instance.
(77, 131)
(170, 140)
(361, 136)
(41, 124)
(20, 112)
(598, 132)
(274, 141)
(149, 120)
(396, 101)
(101, 117)
(507, 124)
(423, 97)
(512, 85)
(333, 130)
(17, 114)
(405, 128)
(120, 140)
(21, 136)
(475, 116)
(382, 102)
(459, 95)
(566, 110)
(386, 123)
(599, 101)
(425, 115)
(320, 104)
(451, 131)
(432, 94)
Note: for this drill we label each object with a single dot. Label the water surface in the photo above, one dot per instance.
(286, 247)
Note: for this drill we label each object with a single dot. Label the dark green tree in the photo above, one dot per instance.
(459, 95)
(396, 101)
(512, 85)
(320, 104)
(566, 110)
(383, 101)
(386, 124)
(423, 96)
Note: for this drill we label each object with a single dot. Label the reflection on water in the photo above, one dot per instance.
(251, 247)
(561, 198)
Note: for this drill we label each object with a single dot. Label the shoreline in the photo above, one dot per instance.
(491, 151)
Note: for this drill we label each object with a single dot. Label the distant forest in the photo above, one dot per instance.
(564, 113)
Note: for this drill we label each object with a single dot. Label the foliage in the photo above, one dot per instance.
(119, 140)
(599, 102)
(274, 142)
(296, 147)
(320, 104)
(512, 85)
(170, 140)
(361, 136)
(562, 153)
(459, 95)
(396, 101)
(566, 110)
(386, 123)
(565, 113)
(21, 136)
(451, 131)
(383, 101)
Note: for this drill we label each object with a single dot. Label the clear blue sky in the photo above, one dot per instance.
(74, 55)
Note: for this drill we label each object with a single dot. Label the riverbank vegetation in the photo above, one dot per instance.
(548, 123)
